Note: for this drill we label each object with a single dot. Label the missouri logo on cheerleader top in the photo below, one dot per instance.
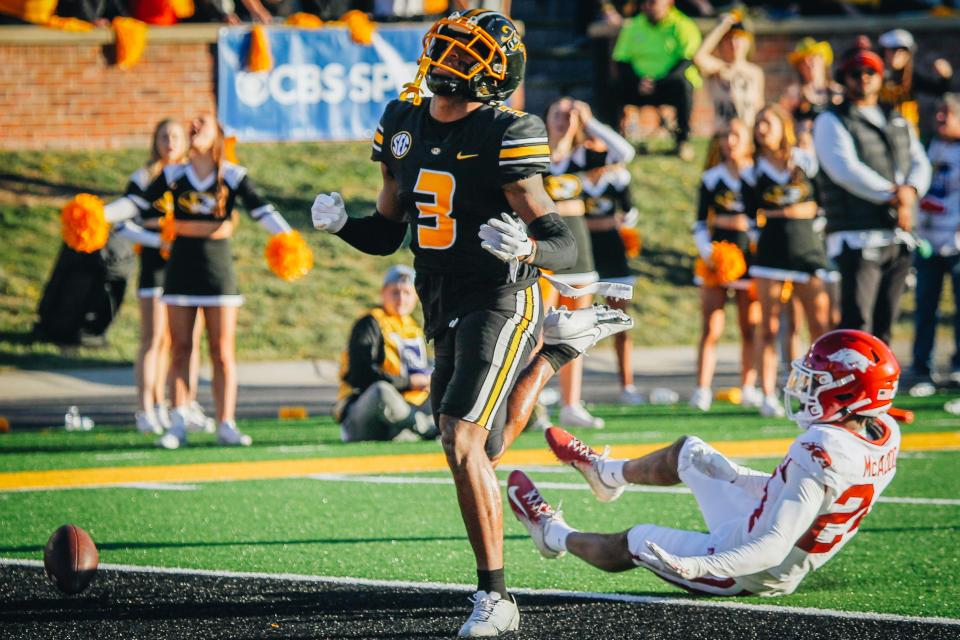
(851, 359)
(197, 203)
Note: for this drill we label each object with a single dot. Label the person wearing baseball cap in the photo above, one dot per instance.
(904, 80)
(874, 170)
(384, 371)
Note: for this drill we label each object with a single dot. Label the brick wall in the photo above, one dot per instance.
(60, 90)
(59, 95)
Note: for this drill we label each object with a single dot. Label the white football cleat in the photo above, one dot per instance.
(533, 511)
(147, 423)
(577, 454)
(583, 328)
(576, 415)
(701, 399)
(492, 615)
(228, 434)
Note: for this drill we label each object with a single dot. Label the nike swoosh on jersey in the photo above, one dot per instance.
(465, 156)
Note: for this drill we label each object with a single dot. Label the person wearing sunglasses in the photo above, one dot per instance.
(874, 172)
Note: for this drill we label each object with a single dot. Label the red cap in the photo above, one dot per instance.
(863, 58)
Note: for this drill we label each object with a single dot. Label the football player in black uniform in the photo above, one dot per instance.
(462, 172)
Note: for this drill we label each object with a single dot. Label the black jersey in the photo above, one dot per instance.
(604, 190)
(722, 194)
(195, 199)
(150, 211)
(785, 243)
(450, 177)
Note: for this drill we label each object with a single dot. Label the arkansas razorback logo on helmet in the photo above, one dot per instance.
(851, 358)
(818, 453)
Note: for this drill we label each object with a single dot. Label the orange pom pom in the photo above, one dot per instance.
(183, 9)
(131, 40)
(728, 264)
(288, 255)
(631, 241)
(74, 25)
(84, 227)
(168, 226)
(303, 20)
(258, 55)
(361, 28)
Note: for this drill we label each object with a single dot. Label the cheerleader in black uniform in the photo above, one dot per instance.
(609, 205)
(569, 124)
(722, 216)
(199, 273)
(789, 248)
(153, 357)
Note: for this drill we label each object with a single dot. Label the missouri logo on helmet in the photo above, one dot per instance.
(477, 54)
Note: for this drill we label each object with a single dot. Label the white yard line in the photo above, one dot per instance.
(441, 586)
(576, 486)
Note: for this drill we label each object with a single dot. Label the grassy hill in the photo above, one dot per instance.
(309, 318)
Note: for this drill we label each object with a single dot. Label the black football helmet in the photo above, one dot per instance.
(476, 54)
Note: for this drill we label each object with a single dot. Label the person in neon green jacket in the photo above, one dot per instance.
(653, 55)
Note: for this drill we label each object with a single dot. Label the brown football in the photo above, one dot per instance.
(70, 558)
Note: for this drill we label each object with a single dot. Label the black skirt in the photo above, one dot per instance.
(200, 274)
(153, 266)
(789, 250)
(584, 263)
(609, 254)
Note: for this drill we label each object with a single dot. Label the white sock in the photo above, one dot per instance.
(556, 534)
(611, 472)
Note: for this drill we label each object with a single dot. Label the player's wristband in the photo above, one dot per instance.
(555, 247)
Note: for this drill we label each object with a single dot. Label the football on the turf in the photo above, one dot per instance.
(70, 558)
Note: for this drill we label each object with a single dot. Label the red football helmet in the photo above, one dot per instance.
(845, 372)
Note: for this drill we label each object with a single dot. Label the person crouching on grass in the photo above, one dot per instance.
(384, 371)
(199, 273)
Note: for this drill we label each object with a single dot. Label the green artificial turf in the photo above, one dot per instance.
(903, 560)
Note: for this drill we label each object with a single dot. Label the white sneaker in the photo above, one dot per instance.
(576, 415)
(198, 420)
(577, 454)
(163, 415)
(147, 423)
(751, 397)
(702, 398)
(228, 434)
(771, 407)
(492, 615)
(176, 435)
(583, 328)
(630, 395)
(533, 511)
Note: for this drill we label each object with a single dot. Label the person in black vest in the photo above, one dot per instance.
(874, 170)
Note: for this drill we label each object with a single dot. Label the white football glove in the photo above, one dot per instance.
(506, 238)
(709, 462)
(662, 560)
(328, 212)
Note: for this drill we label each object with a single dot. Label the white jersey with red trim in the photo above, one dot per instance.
(809, 508)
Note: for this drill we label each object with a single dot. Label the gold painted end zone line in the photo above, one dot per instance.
(398, 463)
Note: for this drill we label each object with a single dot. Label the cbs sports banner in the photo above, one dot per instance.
(322, 85)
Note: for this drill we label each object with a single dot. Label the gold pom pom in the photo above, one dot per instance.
(288, 255)
(360, 26)
(258, 55)
(728, 264)
(631, 241)
(131, 40)
(84, 227)
(303, 20)
(168, 226)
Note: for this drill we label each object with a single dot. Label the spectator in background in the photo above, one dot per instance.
(99, 12)
(384, 372)
(904, 80)
(500, 6)
(938, 225)
(873, 170)
(735, 84)
(814, 90)
(653, 56)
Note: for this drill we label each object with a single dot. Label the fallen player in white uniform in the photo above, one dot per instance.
(766, 531)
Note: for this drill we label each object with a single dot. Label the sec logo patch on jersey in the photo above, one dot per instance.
(400, 144)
